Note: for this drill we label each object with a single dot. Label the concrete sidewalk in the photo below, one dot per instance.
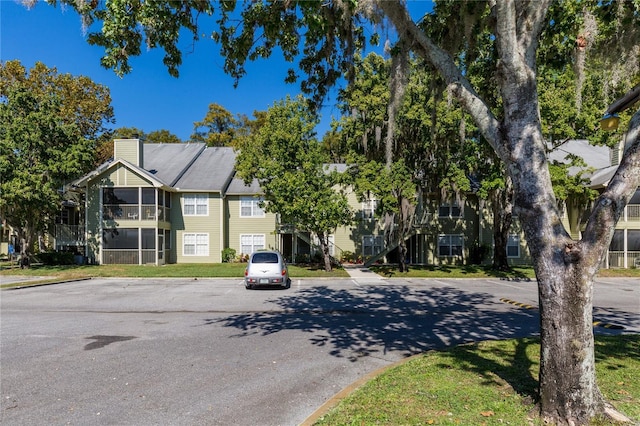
(360, 273)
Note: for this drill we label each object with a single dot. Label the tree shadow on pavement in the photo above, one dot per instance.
(380, 319)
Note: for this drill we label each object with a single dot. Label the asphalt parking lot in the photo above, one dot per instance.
(209, 352)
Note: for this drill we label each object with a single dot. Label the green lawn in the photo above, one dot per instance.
(487, 383)
(236, 270)
(215, 270)
(480, 271)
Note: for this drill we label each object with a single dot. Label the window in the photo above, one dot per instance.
(316, 242)
(372, 244)
(195, 245)
(196, 205)
(450, 245)
(449, 210)
(250, 243)
(369, 209)
(513, 246)
(249, 207)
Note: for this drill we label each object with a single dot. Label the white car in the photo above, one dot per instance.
(266, 268)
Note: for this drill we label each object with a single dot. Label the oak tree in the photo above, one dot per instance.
(323, 36)
(292, 171)
(49, 124)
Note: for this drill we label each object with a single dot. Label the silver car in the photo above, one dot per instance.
(266, 268)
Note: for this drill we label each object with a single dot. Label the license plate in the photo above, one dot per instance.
(264, 280)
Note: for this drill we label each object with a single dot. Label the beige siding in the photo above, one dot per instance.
(117, 177)
(468, 225)
(350, 238)
(209, 225)
(129, 150)
(237, 226)
(121, 176)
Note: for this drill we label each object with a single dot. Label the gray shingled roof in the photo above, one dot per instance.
(595, 156)
(212, 170)
(168, 161)
(601, 177)
(237, 187)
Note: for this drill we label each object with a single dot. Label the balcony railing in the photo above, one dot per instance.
(134, 212)
(69, 235)
(617, 259)
(633, 212)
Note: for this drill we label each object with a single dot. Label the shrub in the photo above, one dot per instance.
(478, 253)
(228, 255)
(302, 258)
(347, 257)
(56, 258)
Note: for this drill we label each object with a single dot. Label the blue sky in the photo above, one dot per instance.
(148, 98)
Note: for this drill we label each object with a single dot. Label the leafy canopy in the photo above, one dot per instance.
(48, 128)
(289, 164)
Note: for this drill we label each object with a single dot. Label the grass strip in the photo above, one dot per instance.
(487, 383)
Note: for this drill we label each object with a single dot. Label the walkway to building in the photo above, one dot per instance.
(361, 273)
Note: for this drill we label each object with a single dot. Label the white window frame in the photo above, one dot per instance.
(450, 208)
(448, 239)
(253, 204)
(369, 209)
(332, 242)
(199, 241)
(513, 241)
(257, 242)
(198, 201)
(375, 242)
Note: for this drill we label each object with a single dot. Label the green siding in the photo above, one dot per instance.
(129, 150)
(209, 225)
(237, 226)
(120, 176)
(350, 238)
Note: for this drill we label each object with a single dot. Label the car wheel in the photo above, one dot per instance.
(248, 286)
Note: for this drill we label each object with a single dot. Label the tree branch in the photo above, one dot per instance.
(533, 15)
(442, 60)
(610, 205)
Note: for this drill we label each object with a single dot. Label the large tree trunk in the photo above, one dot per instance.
(502, 208)
(565, 268)
(25, 235)
(324, 247)
(405, 221)
(402, 257)
(568, 389)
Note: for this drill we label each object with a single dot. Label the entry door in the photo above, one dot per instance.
(160, 248)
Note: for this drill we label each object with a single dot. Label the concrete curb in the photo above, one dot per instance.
(337, 398)
(27, 285)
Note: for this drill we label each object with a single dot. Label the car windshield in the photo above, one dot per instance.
(265, 258)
